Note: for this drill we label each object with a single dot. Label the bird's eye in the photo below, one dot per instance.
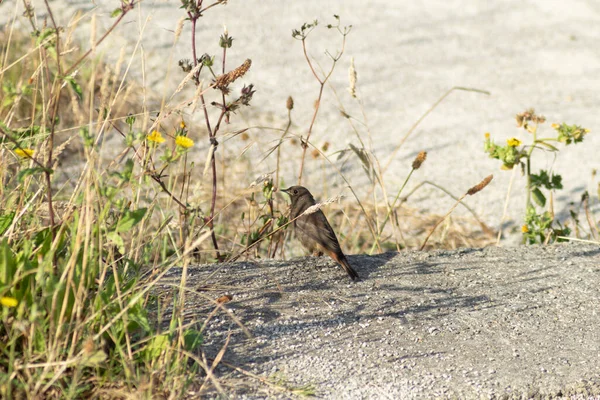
(295, 191)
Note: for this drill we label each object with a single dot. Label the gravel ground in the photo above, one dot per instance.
(472, 323)
(534, 53)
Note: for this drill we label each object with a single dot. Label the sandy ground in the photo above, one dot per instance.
(534, 53)
(498, 323)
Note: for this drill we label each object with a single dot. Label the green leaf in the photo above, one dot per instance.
(156, 346)
(557, 182)
(128, 170)
(117, 240)
(548, 145)
(95, 359)
(192, 339)
(546, 181)
(131, 219)
(7, 263)
(27, 132)
(116, 12)
(75, 86)
(30, 171)
(5, 221)
(538, 197)
(137, 315)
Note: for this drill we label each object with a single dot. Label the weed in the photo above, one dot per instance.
(539, 226)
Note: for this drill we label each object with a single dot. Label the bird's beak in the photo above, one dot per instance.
(285, 190)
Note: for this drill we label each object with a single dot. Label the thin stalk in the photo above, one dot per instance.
(391, 207)
(322, 83)
(55, 103)
(213, 141)
(528, 170)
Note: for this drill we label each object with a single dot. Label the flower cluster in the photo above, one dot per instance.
(568, 134)
(510, 155)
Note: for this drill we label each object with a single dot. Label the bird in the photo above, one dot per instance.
(313, 230)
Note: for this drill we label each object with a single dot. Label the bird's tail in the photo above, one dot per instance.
(346, 265)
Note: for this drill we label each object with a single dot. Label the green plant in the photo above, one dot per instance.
(540, 226)
(80, 262)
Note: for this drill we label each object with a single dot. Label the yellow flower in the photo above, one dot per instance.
(24, 153)
(487, 135)
(555, 126)
(184, 141)
(513, 142)
(524, 229)
(8, 301)
(182, 124)
(155, 137)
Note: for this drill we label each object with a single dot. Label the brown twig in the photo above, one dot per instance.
(211, 134)
(322, 82)
(55, 103)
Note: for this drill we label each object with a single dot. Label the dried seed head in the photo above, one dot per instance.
(315, 153)
(289, 104)
(480, 185)
(529, 116)
(420, 159)
(352, 78)
(179, 28)
(325, 146)
(245, 136)
(223, 81)
(224, 299)
(318, 206)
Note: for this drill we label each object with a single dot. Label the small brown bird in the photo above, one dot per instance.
(313, 230)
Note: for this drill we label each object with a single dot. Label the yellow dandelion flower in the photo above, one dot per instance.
(24, 153)
(184, 141)
(9, 301)
(487, 135)
(182, 125)
(524, 229)
(513, 142)
(155, 137)
(555, 125)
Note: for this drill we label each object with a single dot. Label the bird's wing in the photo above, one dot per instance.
(316, 227)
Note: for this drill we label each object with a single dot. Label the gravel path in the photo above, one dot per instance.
(473, 323)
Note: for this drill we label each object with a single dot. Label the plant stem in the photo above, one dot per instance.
(528, 169)
(391, 207)
(213, 142)
(322, 83)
